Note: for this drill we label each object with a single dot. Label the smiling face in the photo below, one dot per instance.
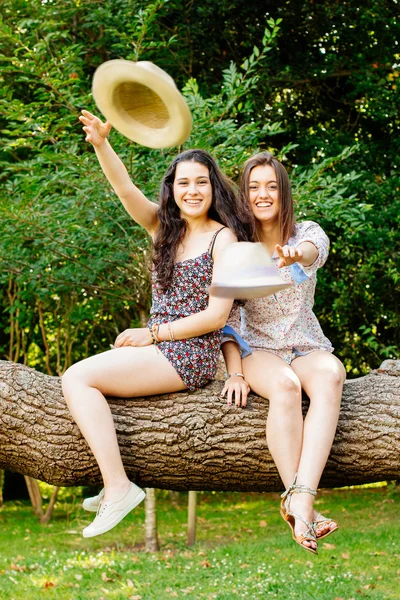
(192, 189)
(264, 194)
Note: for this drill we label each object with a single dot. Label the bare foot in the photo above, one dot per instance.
(326, 525)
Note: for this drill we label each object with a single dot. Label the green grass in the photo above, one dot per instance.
(244, 550)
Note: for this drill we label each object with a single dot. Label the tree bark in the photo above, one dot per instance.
(192, 440)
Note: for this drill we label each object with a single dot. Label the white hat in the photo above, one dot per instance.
(142, 102)
(246, 271)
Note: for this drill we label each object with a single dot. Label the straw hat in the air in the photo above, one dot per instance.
(142, 102)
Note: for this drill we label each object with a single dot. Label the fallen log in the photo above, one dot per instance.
(192, 441)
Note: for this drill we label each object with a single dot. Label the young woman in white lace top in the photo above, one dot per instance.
(276, 347)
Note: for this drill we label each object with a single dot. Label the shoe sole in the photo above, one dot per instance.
(121, 516)
(321, 537)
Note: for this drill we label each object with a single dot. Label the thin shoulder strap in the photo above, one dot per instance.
(212, 243)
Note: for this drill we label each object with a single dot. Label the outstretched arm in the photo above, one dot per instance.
(136, 204)
(305, 254)
(311, 250)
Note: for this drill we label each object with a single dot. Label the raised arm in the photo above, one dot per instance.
(135, 202)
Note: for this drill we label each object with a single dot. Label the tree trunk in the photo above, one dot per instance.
(192, 503)
(35, 495)
(37, 500)
(192, 440)
(150, 503)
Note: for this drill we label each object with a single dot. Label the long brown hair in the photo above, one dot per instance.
(286, 212)
(226, 208)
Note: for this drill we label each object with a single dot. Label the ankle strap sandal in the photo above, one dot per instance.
(289, 516)
(321, 524)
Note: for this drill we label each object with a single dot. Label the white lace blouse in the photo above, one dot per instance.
(284, 323)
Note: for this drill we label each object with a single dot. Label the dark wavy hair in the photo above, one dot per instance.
(286, 214)
(226, 208)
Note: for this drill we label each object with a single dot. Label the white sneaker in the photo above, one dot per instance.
(109, 514)
(92, 504)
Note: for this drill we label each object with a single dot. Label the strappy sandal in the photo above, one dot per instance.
(289, 516)
(285, 494)
(321, 522)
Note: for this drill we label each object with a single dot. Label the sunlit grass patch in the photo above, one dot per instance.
(243, 550)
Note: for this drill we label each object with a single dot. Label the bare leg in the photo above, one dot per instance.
(123, 372)
(322, 376)
(271, 377)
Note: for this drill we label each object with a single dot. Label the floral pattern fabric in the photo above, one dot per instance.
(284, 323)
(194, 359)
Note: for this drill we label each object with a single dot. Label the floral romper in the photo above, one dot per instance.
(284, 323)
(195, 359)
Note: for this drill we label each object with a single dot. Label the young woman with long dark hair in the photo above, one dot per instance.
(287, 350)
(197, 216)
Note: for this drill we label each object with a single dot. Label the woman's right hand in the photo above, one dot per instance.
(96, 131)
(238, 388)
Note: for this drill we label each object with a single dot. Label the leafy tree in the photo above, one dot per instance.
(315, 83)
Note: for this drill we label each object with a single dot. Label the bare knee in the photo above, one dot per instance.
(286, 392)
(73, 377)
(288, 384)
(327, 387)
(71, 374)
(333, 377)
(331, 371)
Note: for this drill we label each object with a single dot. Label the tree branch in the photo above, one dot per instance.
(192, 440)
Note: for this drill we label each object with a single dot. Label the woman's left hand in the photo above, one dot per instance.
(134, 337)
(236, 389)
(288, 255)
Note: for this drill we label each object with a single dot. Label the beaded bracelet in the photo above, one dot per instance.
(153, 336)
(155, 329)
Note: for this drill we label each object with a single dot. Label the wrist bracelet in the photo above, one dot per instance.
(153, 334)
(154, 329)
(171, 331)
(236, 374)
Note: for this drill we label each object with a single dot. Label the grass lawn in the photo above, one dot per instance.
(243, 550)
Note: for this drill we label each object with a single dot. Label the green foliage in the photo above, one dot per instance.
(314, 83)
